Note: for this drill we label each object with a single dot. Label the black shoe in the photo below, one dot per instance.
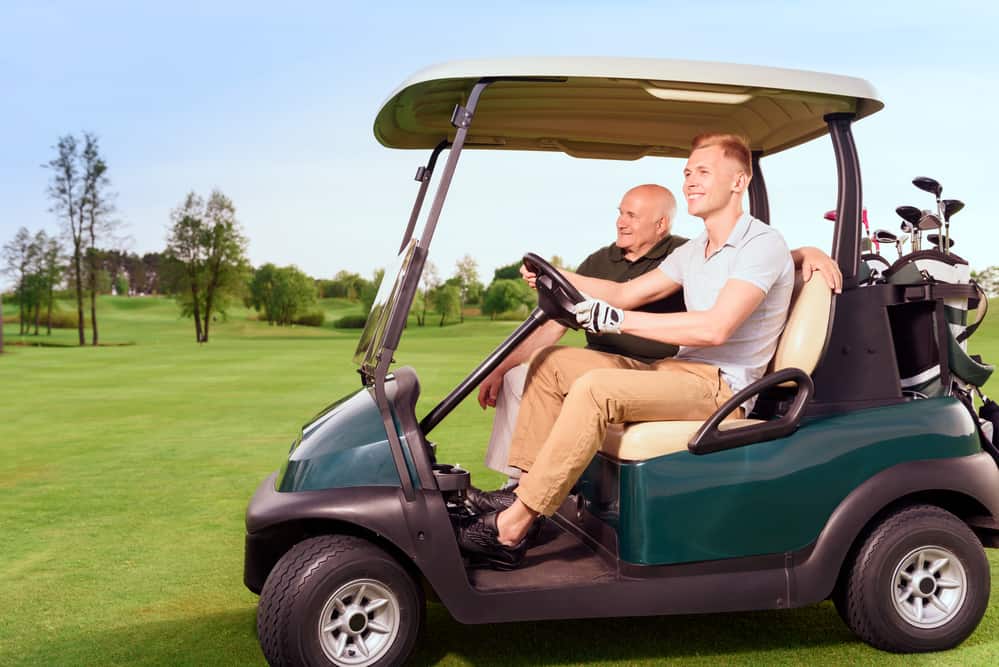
(478, 537)
(480, 502)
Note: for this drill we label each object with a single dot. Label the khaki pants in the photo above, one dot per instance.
(572, 394)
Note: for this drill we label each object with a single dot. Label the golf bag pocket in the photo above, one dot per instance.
(917, 349)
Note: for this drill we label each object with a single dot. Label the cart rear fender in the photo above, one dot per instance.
(967, 486)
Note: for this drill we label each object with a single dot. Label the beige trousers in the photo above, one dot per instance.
(572, 394)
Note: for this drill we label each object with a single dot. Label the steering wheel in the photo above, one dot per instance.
(556, 295)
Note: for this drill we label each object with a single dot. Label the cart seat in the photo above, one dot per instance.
(799, 346)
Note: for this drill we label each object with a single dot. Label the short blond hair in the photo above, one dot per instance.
(733, 146)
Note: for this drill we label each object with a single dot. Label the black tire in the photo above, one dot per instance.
(899, 557)
(304, 584)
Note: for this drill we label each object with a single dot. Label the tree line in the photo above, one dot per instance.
(203, 265)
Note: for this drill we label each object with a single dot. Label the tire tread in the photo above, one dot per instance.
(851, 599)
(275, 608)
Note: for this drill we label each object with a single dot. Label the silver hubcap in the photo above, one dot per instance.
(359, 623)
(929, 587)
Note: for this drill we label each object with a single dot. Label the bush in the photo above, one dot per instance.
(313, 319)
(62, 319)
(351, 322)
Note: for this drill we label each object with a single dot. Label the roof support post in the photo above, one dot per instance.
(849, 200)
(461, 119)
(759, 204)
(423, 175)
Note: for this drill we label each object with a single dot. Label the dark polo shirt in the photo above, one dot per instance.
(609, 263)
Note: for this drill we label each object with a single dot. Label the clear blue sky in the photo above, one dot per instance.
(274, 102)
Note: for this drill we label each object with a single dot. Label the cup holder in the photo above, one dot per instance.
(450, 478)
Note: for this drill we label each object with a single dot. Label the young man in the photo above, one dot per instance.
(737, 279)
(644, 239)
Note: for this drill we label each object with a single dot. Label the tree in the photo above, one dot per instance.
(504, 295)
(508, 272)
(430, 280)
(120, 285)
(447, 301)
(209, 250)
(152, 265)
(79, 191)
(369, 291)
(282, 294)
(65, 191)
(96, 207)
(988, 278)
(467, 273)
(18, 260)
(50, 268)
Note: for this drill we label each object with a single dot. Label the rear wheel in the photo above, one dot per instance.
(338, 600)
(920, 582)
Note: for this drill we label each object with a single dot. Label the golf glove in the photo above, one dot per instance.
(598, 316)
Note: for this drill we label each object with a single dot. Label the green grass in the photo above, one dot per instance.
(127, 470)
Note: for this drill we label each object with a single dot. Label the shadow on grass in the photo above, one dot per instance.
(716, 638)
(230, 638)
(20, 342)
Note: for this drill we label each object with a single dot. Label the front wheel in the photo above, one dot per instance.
(920, 582)
(338, 600)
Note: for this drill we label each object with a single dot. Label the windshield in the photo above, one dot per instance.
(373, 337)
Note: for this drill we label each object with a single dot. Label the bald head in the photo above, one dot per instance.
(645, 217)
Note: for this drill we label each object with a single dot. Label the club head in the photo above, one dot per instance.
(951, 207)
(935, 240)
(884, 236)
(929, 221)
(910, 213)
(907, 227)
(928, 184)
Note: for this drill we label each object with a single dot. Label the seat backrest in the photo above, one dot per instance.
(805, 333)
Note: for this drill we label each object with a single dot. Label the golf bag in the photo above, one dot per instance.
(926, 347)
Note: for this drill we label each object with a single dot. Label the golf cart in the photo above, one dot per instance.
(839, 484)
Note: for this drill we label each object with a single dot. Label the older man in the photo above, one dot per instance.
(644, 239)
(736, 278)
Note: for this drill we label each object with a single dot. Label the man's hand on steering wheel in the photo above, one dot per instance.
(598, 316)
(556, 295)
(530, 276)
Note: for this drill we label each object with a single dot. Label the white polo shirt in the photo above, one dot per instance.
(756, 253)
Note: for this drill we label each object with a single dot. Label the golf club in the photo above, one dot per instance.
(884, 236)
(927, 184)
(911, 229)
(928, 222)
(950, 208)
(935, 240)
(911, 215)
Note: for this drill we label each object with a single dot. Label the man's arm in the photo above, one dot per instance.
(735, 303)
(636, 292)
(547, 334)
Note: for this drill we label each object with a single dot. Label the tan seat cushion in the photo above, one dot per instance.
(647, 440)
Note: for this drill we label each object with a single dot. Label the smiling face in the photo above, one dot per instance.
(712, 182)
(643, 219)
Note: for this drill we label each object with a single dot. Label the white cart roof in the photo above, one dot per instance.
(620, 108)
